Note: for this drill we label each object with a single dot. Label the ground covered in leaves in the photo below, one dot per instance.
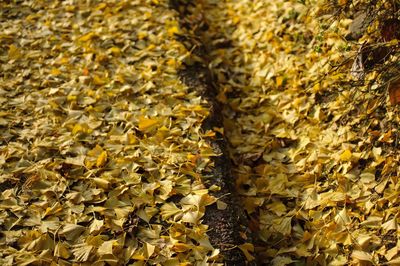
(101, 143)
(316, 158)
(103, 159)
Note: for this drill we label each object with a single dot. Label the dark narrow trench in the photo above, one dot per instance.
(227, 225)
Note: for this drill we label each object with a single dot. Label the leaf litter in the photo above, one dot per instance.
(102, 151)
(315, 158)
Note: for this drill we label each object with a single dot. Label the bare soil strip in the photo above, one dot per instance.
(226, 222)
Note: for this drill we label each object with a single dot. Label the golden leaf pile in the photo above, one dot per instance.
(97, 137)
(102, 155)
(316, 159)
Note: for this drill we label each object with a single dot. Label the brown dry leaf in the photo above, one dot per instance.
(394, 92)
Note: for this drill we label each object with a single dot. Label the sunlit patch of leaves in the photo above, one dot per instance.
(101, 148)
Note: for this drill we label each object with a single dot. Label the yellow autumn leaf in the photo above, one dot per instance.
(55, 71)
(88, 36)
(131, 138)
(138, 256)
(247, 249)
(70, 8)
(96, 226)
(346, 156)
(120, 78)
(147, 124)
(151, 47)
(283, 225)
(171, 62)
(181, 247)
(54, 209)
(61, 250)
(72, 98)
(277, 207)
(106, 247)
(316, 88)
(82, 252)
(80, 128)
(235, 19)
(363, 240)
(115, 51)
(149, 250)
(101, 6)
(361, 255)
(63, 61)
(169, 209)
(395, 261)
(141, 35)
(173, 30)
(209, 133)
(282, 261)
(101, 182)
(389, 225)
(219, 130)
(102, 159)
(96, 157)
(99, 80)
(191, 217)
(71, 231)
(279, 81)
(14, 52)
(342, 218)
